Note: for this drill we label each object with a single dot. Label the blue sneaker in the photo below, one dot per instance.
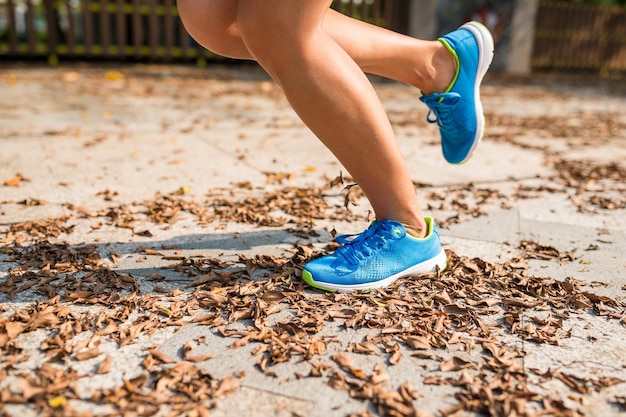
(376, 257)
(458, 111)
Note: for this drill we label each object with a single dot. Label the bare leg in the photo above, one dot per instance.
(426, 65)
(333, 97)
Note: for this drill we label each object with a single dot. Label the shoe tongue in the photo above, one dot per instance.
(395, 230)
(398, 232)
(437, 100)
(449, 99)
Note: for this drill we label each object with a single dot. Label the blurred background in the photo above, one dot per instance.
(531, 35)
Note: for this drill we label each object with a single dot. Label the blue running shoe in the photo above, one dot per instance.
(458, 111)
(376, 257)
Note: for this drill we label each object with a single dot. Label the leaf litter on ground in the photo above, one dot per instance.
(468, 307)
(457, 324)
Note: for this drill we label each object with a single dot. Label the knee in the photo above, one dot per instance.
(259, 34)
(213, 25)
(272, 40)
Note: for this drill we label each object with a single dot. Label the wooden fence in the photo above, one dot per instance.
(115, 28)
(567, 35)
(125, 29)
(580, 37)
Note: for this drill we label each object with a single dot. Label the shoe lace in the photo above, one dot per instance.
(358, 247)
(441, 108)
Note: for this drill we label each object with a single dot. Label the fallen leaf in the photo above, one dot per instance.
(161, 357)
(88, 354)
(105, 366)
(227, 386)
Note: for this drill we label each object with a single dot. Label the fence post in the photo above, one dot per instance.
(87, 26)
(30, 28)
(12, 27)
(52, 21)
(104, 34)
(138, 27)
(520, 50)
(168, 27)
(121, 24)
(153, 29)
(71, 27)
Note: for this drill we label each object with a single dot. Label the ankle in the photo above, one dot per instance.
(425, 78)
(418, 231)
(441, 72)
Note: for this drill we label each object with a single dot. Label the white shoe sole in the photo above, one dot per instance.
(439, 261)
(485, 56)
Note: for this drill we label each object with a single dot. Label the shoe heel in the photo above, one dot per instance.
(485, 45)
(441, 260)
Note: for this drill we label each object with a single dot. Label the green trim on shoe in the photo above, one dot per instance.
(308, 278)
(456, 63)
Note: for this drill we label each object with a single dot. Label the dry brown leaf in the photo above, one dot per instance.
(395, 357)
(160, 356)
(273, 296)
(573, 382)
(105, 366)
(202, 279)
(343, 360)
(88, 354)
(199, 358)
(338, 382)
(14, 182)
(455, 364)
(226, 386)
(417, 342)
(13, 329)
(316, 347)
(379, 375)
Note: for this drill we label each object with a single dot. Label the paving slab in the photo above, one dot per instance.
(95, 147)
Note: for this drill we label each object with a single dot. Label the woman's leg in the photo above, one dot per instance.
(426, 65)
(333, 97)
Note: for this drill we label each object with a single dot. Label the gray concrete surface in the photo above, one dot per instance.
(76, 132)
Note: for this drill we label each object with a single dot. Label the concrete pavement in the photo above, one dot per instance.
(144, 179)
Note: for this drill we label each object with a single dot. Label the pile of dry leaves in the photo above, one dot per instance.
(461, 318)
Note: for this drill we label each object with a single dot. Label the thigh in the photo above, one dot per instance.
(286, 17)
(213, 24)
